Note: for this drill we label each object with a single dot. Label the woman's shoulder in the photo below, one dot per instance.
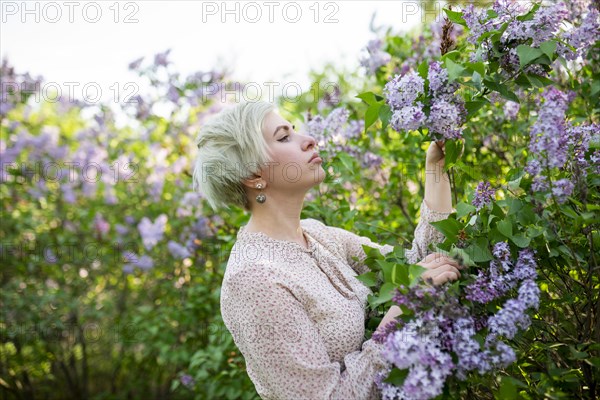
(313, 223)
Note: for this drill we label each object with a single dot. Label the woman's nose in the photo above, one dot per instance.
(310, 142)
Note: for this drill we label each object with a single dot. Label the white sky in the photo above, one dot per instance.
(281, 51)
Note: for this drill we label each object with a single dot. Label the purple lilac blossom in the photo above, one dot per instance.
(376, 56)
(482, 290)
(562, 189)
(463, 344)
(439, 88)
(161, 59)
(580, 137)
(177, 250)
(548, 135)
(484, 195)
(152, 232)
(581, 37)
(101, 225)
(144, 263)
(189, 205)
(187, 380)
(446, 119)
(509, 319)
(526, 265)
(402, 91)
(428, 365)
(511, 110)
(540, 184)
(529, 294)
(541, 28)
(501, 251)
(498, 353)
(408, 118)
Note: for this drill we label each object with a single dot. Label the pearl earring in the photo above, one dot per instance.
(261, 198)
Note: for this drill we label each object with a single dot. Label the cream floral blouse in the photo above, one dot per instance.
(298, 315)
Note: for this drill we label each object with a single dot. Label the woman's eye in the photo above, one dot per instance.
(284, 139)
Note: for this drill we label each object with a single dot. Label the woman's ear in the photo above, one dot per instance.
(254, 181)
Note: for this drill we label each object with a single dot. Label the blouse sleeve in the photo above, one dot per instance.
(285, 355)
(424, 235)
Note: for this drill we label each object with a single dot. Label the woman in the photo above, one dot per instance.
(290, 297)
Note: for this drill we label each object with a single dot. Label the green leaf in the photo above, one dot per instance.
(449, 227)
(463, 209)
(452, 55)
(414, 273)
(346, 160)
(396, 377)
(368, 278)
(520, 241)
(478, 67)
(538, 80)
(502, 89)
(454, 70)
(474, 106)
(386, 292)
(479, 251)
(527, 54)
(507, 389)
(578, 355)
(452, 150)
(529, 16)
(400, 275)
(369, 97)
(548, 48)
(385, 113)
(387, 267)
(456, 17)
(505, 228)
(476, 80)
(371, 115)
(595, 87)
(423, 69)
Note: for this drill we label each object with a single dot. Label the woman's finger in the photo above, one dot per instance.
(441, 274)
(447, 276)
(441, 260)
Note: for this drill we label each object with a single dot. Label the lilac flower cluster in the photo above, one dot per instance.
(502, 275)
(15, 87)
(376, 57)
(144, 262)
(428, 364)
(152, 232)
(334, 134)
(436, 337)
(581, 37)
(484, 195)
(511, 110)
(553, 142)
(447, 112)
(542, 27)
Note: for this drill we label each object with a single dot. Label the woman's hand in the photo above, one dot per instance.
(435, 154)
(390, 316)
(440, 268)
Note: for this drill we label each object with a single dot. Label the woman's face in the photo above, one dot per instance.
(291, 167)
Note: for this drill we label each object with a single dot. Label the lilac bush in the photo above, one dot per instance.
(520, 91)
(436, 337)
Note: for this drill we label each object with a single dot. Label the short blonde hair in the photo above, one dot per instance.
(231, 148)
